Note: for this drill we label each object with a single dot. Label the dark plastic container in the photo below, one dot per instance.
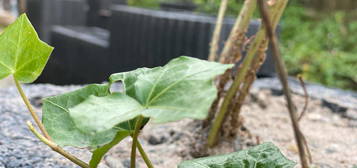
(46, 13)
(80, 56)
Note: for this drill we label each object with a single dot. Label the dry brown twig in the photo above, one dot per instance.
(243, 92)
(213, 55)
(306, 95)
(232, 53)
(217, 31)
(224, 109)
(280, 66)
(22, 6)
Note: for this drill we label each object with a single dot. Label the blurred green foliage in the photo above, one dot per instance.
(152, 4)
(322, 50)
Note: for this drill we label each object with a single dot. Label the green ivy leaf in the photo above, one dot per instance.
(67, 130)
(22, 53)
(262, 156)
(62, 128)
(100, 152)
(183, 88)
(128, 79)
(97, 113)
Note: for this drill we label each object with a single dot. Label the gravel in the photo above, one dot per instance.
(330, 125)
(18, 147)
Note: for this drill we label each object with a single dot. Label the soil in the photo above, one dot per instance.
(330, 129)
(331, 136)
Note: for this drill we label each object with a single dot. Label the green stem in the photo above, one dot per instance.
(57, 148)
(31, 109)
(258, 41)
(135, 141)
(144, 155)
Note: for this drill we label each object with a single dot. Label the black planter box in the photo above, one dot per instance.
(46, 13)
(148, 38)
(171, 6)
(136, 38)
(80, 56)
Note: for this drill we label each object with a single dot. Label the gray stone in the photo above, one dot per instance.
(113, 162)
(126, 163)
(154, 140)
(342, 98)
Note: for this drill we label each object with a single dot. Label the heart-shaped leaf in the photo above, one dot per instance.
(22, 53)
(63, 129)
(128, 79)
(107, 111)
(69, 130)
(262, 156)
(182, 89)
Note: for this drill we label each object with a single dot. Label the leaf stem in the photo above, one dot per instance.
(135, 141)
(31, 109)
(144, 155)
(56, 148)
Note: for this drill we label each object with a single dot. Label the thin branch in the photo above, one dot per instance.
(232, 49)
(306, 95)
(216, 126)
(56, 148)
(31, 109)
(307, 148)
(232, 53)
(21, 6)
(243, 92)
(280, 66)
(217, 31)
(259, 40)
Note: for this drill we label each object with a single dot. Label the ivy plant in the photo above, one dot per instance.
(97, 118)
(262, 156)
(93, 116)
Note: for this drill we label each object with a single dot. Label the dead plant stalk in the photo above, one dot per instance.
(217, 31)
(280, 67)
(232, 52)
(276, 9)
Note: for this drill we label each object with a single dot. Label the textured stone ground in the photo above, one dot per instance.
(330, 126)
